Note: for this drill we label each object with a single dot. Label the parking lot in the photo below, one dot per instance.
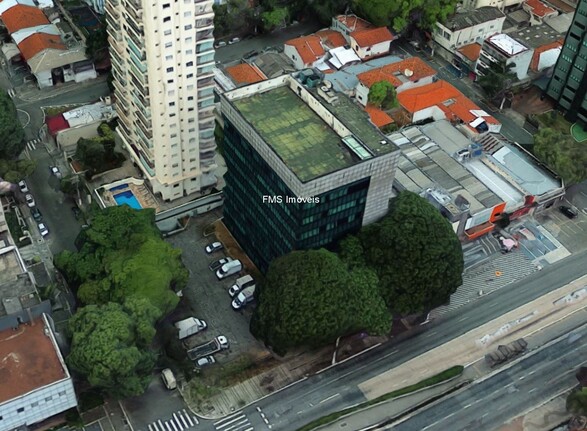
(208, 298)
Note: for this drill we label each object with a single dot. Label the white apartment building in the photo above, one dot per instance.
(163, 65)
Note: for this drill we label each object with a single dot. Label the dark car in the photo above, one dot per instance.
(218, 263)
(76, 212)
(568, 211)
(36, 213)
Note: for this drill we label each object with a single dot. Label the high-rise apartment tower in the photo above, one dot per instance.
(163, 60)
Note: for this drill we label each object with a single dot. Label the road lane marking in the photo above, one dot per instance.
(389, 354)
(329, 398)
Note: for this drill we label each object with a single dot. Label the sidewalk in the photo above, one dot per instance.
(30, 92)
(472, 346)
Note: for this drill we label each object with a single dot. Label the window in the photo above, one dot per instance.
(188, 40)
(48, 399)
(166, 6)
(169, 57)
(189, 64)
(168, 44)
(169, 69)
(187, 27)
(35, 404)
(189, 52)
(167, 19)
(190, 97)
(187, 14)
(171, 103)
(189, 75)
(62, 393)
(167, 32)
(170, 81)
(20, 410)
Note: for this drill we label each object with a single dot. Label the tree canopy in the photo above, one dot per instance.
(111, 345)
(398, 14)
(415, 253)
(562, 153)
(11, 131)
(310, 298)
(275, 18)
(15, 170)
(383, 95)
(577, 402)
(497, 79)
(123, 256)
(98, 154)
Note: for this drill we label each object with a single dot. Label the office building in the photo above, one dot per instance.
(163, 63)
(305, 166)
(568, 84)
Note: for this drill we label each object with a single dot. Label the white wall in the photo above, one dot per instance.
(433, 112)
(500, 4)
(44, 79)
(362, 92)
(548, 58)
(522, 62)
(477, 33)
(292, 54)
(370, 51)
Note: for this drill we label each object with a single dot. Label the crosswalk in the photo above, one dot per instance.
(32, 145)
(235, 422)
(181, 420)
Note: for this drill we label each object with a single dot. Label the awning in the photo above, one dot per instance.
(10, 50)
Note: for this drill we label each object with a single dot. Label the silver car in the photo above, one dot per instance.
(206, 360)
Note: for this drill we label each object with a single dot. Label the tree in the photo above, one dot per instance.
(577, 402)
(497, 79)
(275, 18)
(15, 170)
(97, 42)
(110, 346)
(562, 153)
(383, 94)
(326, 9)
(11, 131)
(98, 154)
(122, 255)
(309, 298)
(415, 253)
(398, 14)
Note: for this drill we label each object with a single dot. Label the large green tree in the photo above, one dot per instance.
(577, 402)
(398, 14)
(497, 79)
(415, 253)
(110, 345)
(275, 18)
(98, 154)
(562, 153)
(11, 131)
(383, 94)
(122, 255)
(15, 170)
(309, 298)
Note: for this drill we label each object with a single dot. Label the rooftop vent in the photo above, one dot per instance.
(408, 72)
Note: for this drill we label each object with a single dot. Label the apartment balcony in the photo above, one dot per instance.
(209, 144)
(204, 22)
(204, 34)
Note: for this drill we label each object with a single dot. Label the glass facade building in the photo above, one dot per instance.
(568, 84)
(267, 227)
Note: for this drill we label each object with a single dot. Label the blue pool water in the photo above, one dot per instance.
(121, 187)
(127, 198)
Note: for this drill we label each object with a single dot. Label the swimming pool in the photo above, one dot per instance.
(128, 198)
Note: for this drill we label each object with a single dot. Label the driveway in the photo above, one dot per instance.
(208, 297)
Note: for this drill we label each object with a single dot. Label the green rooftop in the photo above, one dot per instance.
(305, 143)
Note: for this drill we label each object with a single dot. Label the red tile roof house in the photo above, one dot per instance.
(371, 43)
(304, 51)
(346, 24)
(440, 100)
(538, 11)
(405, 74)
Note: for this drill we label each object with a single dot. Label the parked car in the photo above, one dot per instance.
(213, 247)
(568, 211)
(23, 186)
(168, 379)
(230, 268)
(206, 360)
(240, 284)
(76, 212)
(218, 263)
(30, 200)
(43, 229)
(234, 40)
(36, 213)
(190, 326)
(219, 44)
(55, 171)
(245, 297)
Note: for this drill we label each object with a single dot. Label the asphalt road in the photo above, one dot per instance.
(484, 406)
(336, 388)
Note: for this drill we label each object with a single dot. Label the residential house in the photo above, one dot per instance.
(331, 38)
(440, 100)
(372, 42)
(405, 74)
(304, 51)
(245, 74)
(500, 4)
(546, 43)
(538, 11)
(465, 58)
(346, 24)
(467, 28)
(23, 16)
(501, 48)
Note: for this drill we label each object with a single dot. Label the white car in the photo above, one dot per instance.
(55, 171)
(206, 360)
(30, 201)
(23, 186)
(234, 290)
(43, 229)
(215, 246)
(234, 40)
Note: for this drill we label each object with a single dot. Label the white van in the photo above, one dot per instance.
(240, 284)
(229, 268)
(168, 379)
(244, 297)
